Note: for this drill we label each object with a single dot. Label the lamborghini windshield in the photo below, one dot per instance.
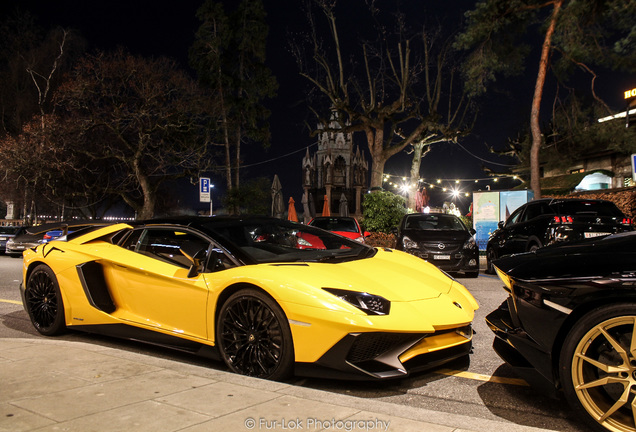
(275, 240)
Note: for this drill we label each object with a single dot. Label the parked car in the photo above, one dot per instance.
(6, 233)
(344, 226)
(23, 240)
(548, 221)
(441, 239)
(569, 325)
(242, 290)
(30, 237)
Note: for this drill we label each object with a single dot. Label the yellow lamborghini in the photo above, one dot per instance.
(268, 297)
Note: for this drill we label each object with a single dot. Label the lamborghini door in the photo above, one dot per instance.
(151, 286)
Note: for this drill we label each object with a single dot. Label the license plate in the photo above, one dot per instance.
(594, 234)
(441, 257)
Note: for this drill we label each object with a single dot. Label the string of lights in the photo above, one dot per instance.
(404, 184)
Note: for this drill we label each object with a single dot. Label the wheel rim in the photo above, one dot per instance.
(41, 297)
(491, 256)
(251, 337)
(604, 373)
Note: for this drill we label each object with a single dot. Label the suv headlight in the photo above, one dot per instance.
(470, 243)
(368, 303)
(408, 243)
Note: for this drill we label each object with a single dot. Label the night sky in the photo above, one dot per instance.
(167, 28)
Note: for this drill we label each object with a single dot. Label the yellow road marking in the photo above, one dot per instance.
(481, 377)
(11, 301)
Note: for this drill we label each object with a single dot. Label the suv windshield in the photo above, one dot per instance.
(272, 240)
(434, 222)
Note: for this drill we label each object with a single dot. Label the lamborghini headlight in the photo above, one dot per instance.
(368, 303)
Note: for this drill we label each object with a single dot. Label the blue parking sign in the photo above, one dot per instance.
(204, 189)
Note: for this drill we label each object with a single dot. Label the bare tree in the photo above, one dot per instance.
(142, 120)
(379, 89)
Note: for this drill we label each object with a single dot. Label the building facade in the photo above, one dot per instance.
(336, 172)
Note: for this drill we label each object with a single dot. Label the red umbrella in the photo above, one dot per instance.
(325, 208)
(291, 213)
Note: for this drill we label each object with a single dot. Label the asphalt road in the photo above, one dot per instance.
(482, 387)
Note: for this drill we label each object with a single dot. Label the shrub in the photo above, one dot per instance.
(382, 211)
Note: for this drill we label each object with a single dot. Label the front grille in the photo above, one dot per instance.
(449, 247)
(368, 346)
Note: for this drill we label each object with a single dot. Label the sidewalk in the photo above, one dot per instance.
(53, 385)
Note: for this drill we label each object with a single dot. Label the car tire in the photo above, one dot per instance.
(253, 336)
(44, 302)
(491, 255)
(602, 339)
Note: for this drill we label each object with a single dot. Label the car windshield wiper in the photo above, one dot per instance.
(340, 257)
(336, 257)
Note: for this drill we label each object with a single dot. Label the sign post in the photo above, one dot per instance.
(205, 192)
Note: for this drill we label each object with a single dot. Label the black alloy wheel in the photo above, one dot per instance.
(598, 367)
(44, 301)
(253, 336)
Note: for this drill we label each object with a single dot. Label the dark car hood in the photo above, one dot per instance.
(600, 257)
(435, 235)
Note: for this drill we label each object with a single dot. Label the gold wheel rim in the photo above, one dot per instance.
(604, 373)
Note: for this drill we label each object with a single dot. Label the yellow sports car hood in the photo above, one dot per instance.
(394, 275)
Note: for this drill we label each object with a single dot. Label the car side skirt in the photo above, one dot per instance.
(138, 334)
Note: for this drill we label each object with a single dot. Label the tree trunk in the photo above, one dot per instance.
(226, 136)
(375, 140)
(535, 172)
(149, 198)
(418, 150)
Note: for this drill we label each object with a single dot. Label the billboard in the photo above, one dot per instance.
(491, 207)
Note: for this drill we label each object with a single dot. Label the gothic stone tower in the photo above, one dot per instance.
(335, 169)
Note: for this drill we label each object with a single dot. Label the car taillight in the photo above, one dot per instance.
(626, 221)
(47, 237)
(563, 219)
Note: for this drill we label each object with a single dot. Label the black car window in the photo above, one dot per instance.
(166, 244)
(9, 230)
(336, 224)
(532, 211)
(515, 216)
(593, 208)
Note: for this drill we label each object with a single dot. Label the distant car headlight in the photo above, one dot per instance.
(408, 243)
(360, 239)
(368, 303)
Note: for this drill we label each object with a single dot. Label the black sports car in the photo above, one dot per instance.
(441, 239)
(569, 325)
(550, 221)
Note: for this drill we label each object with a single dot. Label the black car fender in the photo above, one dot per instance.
(533, 240)
(584, 305)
